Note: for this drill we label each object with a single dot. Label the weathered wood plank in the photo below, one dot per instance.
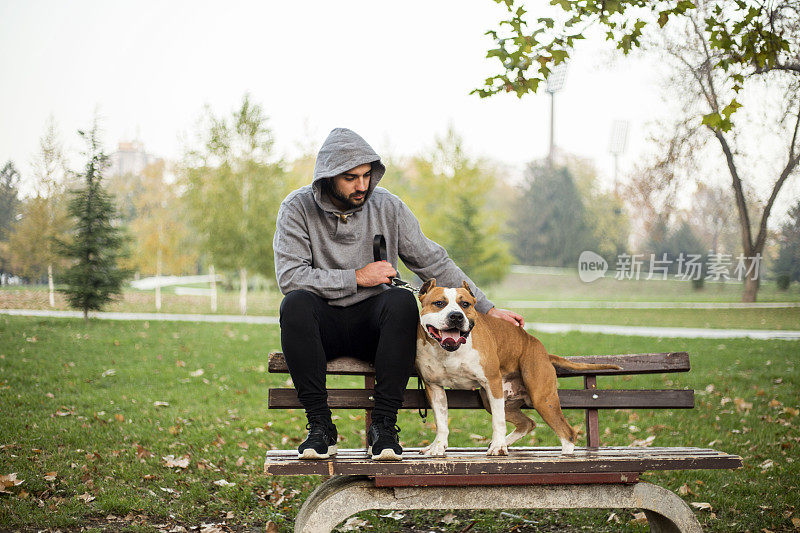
(468, 399)
(519, 461)
(642, 363)
(448, 480)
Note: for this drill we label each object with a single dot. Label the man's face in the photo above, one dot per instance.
(349, 189)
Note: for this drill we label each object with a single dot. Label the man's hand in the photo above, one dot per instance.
(505, 314)
(375, 274)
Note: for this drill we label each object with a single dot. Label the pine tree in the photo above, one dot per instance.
(94, 277)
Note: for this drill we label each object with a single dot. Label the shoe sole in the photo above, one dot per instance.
(311, 453)
(387, 454)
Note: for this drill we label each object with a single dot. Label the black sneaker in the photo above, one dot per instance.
(321, 440)
(382, 440)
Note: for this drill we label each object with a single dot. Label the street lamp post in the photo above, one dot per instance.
(555, 82)
(617, 143)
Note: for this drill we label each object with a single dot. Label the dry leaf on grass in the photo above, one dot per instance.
(171, 462)
(50, 476)
(271, 527)
(109, 372)
(353, 523)
(9, 480)
(703, 506)
(639, 518)
(197, 373)
(796, 522)
(613, 518)
(684, 490)
(394, 515)
(766, 465)
(448, 519)
(643, 443)
(223, 483)
(160, 404)
(85, 497)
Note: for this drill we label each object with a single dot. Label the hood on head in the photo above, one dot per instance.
(342, 150)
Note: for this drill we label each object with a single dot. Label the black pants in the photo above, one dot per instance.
(381, 329)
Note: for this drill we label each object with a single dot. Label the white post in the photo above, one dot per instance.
(51, 285)
(243, 291)
(213, 277)
(158, 280)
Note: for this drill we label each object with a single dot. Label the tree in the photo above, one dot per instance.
(466, 225)
(234, 188)
(9, 205)
(43, 218)
(550, 218)
(94, 277)
(787, 267)
(721, 49)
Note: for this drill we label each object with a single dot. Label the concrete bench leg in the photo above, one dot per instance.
(342, 496)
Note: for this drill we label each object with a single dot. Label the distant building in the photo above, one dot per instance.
(130, 158)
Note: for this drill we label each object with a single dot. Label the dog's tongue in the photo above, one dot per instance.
(452, 337)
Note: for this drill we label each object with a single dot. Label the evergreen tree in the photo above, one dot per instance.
(94, 277)
(551, 220)
(9, 206)
(787, 266)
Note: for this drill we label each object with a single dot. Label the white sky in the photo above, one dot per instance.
(398, 73)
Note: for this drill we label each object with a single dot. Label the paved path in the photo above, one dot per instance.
(588, 304)
(546, 327)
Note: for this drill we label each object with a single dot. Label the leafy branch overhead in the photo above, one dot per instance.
(747, 39)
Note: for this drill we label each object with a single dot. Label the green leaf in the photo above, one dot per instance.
(712, 120)
(663, 17)
(731, 108)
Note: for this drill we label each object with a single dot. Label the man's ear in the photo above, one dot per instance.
(428, 285)
(466, 286)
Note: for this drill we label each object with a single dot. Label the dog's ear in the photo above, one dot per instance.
(428, 285)
(466, 286)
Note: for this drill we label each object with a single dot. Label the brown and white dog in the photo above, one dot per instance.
(459, 347)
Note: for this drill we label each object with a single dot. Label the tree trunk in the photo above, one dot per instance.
(243, 291)
(51, 285)
(85, 315)
(158, 280)
(213, 278)
(752, 277)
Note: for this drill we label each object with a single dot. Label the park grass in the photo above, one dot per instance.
(79, 400)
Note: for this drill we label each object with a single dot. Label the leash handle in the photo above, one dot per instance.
(379, 254)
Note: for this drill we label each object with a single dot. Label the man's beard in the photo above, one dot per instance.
(348, 201)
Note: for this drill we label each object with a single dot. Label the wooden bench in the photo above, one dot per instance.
(529, 477)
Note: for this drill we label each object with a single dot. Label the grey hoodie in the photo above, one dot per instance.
(318, 250)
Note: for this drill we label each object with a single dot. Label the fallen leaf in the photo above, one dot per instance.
(353, 523)
(742, 405)
(766, 465)
(448, 519)
(613, 518)
(639, 518)
(394, 515)
(643, 443)
(210, 528)
(171, 462)
(240, 461)
(161, 404)
(109, 372)
(86, 497)
(197, 373)
(50, 476)
(119, 418)
(796, 522)
(774, 403)
(180, 363)
(684, 490)
(244, 445)
(271, 527)
(223, 483)
(703, 506)
(9, 480)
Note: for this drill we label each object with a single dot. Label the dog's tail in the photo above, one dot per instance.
(566, 363)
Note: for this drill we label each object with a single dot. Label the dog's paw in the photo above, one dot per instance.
(567, 447)
(498, 448)
(435, 449)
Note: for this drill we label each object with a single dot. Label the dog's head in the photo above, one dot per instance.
(448, 315)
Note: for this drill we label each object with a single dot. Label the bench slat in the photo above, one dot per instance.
(636, 363)
(469, 399)
(519, 461)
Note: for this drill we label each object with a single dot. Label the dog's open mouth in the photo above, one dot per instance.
(450, 339)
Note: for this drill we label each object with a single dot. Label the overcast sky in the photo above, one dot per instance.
(398, 73)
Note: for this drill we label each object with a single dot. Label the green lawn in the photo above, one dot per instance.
(81, 402)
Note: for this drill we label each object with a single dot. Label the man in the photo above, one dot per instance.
(337, 299)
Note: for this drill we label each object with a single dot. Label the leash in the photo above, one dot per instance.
(379, 254)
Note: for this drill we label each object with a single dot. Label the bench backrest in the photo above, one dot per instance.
(589, 398)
